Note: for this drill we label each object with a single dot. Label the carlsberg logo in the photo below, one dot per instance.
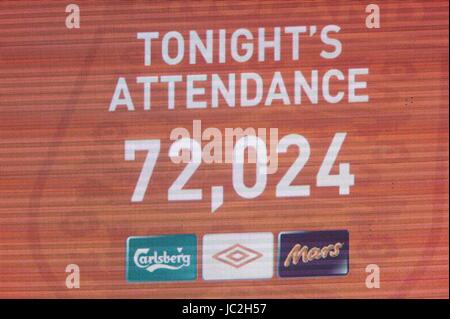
(154, 261)
(161, 258)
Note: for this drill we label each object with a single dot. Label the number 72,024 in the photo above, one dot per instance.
(177, 192)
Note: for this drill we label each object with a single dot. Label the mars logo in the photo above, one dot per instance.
(237, 256)
(317, 253)
(162, 258)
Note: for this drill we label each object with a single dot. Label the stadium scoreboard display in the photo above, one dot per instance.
(206, 149)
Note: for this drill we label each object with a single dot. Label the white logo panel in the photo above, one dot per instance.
(237, 256)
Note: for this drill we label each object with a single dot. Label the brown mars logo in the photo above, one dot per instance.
(314, 253)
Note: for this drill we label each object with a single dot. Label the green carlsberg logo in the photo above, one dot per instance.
(161, 258)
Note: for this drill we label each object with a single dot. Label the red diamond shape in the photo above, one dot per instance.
(237, 256)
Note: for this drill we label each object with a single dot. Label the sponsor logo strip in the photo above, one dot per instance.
(237, 256)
